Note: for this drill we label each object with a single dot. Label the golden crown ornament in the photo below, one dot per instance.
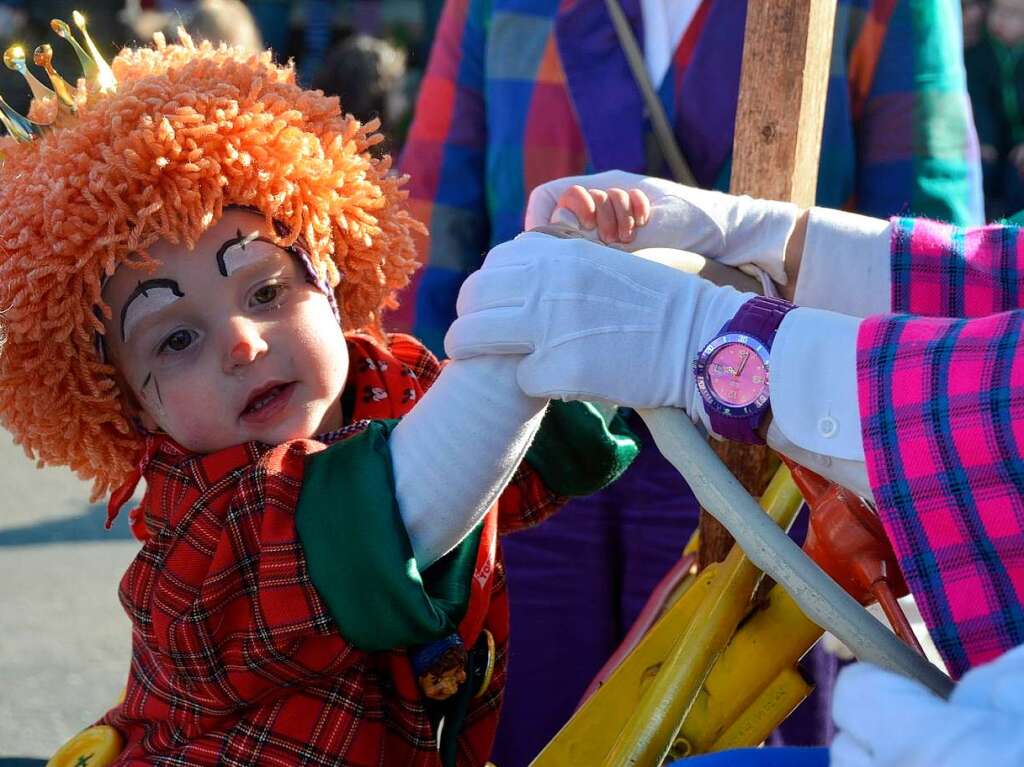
(62, 98)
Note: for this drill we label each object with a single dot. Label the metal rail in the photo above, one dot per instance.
(768, 547)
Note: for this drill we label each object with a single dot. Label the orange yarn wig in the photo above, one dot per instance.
(191, 130)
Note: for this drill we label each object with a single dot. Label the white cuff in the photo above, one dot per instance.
(852, 475)
(846, 264)
(813, 380)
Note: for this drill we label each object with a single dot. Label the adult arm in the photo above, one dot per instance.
(444, 155)
(929, 409)
(861, 266)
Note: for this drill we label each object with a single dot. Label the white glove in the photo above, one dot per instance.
(457, 449)
(997, 685)
(595, 323)
(887, 720)
(736, 231)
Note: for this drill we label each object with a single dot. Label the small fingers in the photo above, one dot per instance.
(580, 203)
(641, 205)
(621, 205)
(607, 222)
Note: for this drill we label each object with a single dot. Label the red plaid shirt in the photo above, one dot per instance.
(236, 659)
(942, 409)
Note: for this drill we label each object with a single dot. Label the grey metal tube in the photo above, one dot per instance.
(768, 547)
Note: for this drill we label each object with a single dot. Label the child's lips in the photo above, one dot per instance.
(267, 403)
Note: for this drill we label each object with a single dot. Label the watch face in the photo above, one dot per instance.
(732, 374)
(736, 375)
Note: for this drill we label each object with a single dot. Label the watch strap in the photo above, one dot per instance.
(759, 318)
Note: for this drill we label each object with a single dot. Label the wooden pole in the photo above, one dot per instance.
(787, 50)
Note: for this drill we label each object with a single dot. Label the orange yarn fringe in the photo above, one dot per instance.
(191, 130)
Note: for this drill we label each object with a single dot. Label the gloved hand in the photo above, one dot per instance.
(997, 685)
(736, 231)
(887, 720)
(593, 322)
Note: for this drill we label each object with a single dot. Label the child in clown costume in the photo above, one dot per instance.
(193, 266)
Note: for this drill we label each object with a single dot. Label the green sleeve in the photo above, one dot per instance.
(576, 452)
(359, 555)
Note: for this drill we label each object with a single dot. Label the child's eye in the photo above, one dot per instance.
(267, 294)
(177, 341)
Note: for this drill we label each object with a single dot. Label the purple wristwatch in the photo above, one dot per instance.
(732, 369)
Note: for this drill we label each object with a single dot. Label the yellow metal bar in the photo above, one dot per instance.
(767, 712)
(768, 643)
(651, 729)
(590, 733)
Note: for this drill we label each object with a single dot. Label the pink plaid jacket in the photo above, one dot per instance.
(942, 407)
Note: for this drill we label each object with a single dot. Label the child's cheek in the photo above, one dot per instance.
(195, 419)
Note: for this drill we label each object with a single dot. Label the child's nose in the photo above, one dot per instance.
(245, 345)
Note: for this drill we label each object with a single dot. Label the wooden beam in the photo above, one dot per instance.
(787, 51)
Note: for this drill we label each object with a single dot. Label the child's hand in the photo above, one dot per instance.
(616, 213)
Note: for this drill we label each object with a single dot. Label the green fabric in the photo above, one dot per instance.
(577, 453)
(376, 593)
(359, 555)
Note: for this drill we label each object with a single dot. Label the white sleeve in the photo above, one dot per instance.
(813, 385)
(846, 264)
(455, 452)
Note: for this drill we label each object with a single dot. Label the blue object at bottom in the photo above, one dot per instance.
(760, 757)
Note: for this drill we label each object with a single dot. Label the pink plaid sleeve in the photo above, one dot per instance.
(942, 409)
(940, 270)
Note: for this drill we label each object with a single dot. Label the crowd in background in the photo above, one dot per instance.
(994, 56)
(372, 54)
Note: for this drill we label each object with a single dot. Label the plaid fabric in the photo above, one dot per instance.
(939, 270)
(236, 660)
(518, 92)
(942, 409)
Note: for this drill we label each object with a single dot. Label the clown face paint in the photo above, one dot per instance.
(228, 343)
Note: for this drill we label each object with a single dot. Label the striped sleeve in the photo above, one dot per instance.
(444, 156)
(939, 270)
(917, 145)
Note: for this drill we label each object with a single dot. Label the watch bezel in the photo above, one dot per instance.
(700, 369)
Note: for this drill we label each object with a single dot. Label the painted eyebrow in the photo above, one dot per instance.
(142, 289)
(239, 241)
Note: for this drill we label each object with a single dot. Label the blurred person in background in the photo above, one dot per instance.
(368, 75)
(219, 21)
(974, 12)
(223, 21)
(995, 76)
(517, 93)
(274, 19)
